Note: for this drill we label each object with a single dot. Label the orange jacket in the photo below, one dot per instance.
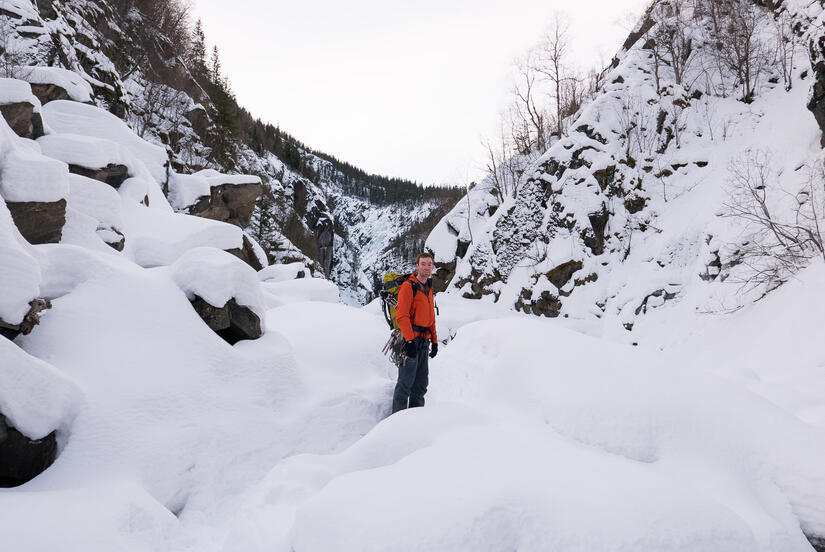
(416, 311)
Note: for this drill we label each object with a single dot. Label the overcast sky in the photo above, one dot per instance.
(404, 88)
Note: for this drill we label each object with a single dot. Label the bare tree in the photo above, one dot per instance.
(786, 46)
(527, 117)
(786, 229)
(552, 63)
(740, 43)
(13, 60)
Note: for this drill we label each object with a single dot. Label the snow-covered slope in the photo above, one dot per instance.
(627, 214)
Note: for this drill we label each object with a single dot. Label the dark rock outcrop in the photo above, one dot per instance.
(49, 92)
(232, 203)
(247, 254)
(444, 272)
(39, 222)
(22, 119)
(32, 319)
(112, 174)
(232, 322)
(22, 459)
(46, 9)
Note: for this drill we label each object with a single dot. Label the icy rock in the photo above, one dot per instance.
(30, 320)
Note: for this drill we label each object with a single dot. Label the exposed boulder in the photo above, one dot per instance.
(22, 459)
(112, 174)
(232, 322)
(30, 320)
(39, 221)
(232, 203)
(210, 194)
(49, 92)
(22, 119)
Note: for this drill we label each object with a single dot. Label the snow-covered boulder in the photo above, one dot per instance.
(224, 291)
(67, 117)
(54, 83)
(103, 204)
(33, 186)
(35, 402)
(210, 194)
(20, 108)
(95, 158)
(19, 273)
(283, 272)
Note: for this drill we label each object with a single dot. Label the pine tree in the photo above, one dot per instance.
(215, 67)
(197, 53)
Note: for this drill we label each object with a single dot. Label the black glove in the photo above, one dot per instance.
(411, 349)
(434, 349)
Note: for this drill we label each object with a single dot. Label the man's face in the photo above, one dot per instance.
(425, 267)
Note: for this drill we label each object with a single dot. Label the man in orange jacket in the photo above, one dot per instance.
(416, 319)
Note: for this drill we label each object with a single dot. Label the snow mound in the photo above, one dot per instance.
(301, 289)
(35, 396)
(543, 439)
(216, 277)
(25, 174)
(283, 272)
(215, 178)
(16, 91)
(19, 271)
(156, 238)
(78, 89)
(95, 199)
(67, 117)
(185, 189)
(86, 151)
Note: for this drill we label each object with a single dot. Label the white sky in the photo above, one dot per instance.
(399, 88)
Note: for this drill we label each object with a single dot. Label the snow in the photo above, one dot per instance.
(67, 117)
(25, 174)
(185, 189)
(155, 237)
(298, 290)
(34, 396)
(17, 91)
(95, 199)
(283, 272)
(84, 151)
(19, 271)
(216, 277)
(215, 178)
(78, 89)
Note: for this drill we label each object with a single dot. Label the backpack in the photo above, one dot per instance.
(389, 303)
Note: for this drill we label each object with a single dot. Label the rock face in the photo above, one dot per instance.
(22, 459)
(23, 120)
(317, 217)
(39, 222)
(232, 322)
(232, 203)
(112, 174)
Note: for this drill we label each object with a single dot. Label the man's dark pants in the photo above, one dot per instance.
(412, 378)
